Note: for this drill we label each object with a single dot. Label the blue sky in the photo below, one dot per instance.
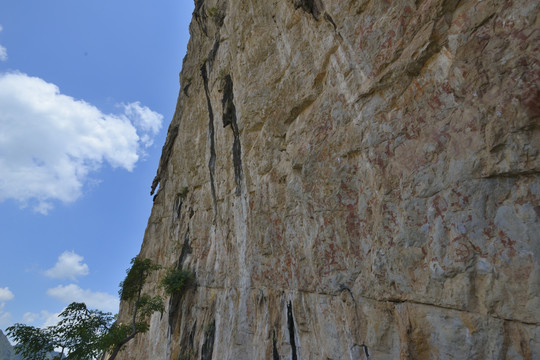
(87, 90)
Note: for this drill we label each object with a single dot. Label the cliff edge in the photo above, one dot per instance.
(352, 179)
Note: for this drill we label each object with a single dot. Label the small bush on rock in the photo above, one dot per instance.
(176, 281)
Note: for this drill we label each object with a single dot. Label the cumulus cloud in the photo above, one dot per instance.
(3, 51)
(97, 300)
(5, 317)
(5, 295)
(51, 142)
(43, 319)
(49, 319)
(145, 119)
(29, 317)
(68, 266)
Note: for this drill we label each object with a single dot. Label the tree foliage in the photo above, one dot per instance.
(176, 281)
(132, 285)
(32, 343)
(83, 334)
(80, 331)
(77, 334)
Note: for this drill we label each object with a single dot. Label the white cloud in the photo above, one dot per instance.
(29, 318)
(6, 294)
(49, 319)
(145, 119)
(5, 317)
(3, 51)
(68, 266)
(45, 318)
(95, 300)
(50, 142)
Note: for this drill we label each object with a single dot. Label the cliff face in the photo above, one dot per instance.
(6, 349)
(352, 179)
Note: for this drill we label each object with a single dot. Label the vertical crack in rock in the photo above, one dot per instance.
(164, 160)
(365, 350)
(229, 110)
(208, 344)
(357, 350)
(212, 160)
(174, 301)
(178, 202)
(229, 118)
(178, 206)
(186, 88)
(186, 250)
(212, 54)
(313, 7)
(275, 353)
(330, 20)
(200, 16)
(192, 335)
(290, 324)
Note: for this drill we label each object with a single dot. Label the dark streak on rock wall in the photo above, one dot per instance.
(313, 7)
(229, 118)
(208, 345)
(290, 325)
(212, 160)
(165, 155)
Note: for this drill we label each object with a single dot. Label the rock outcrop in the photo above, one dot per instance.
(6, 349)
(352, 179)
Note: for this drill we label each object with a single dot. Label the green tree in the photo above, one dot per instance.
(32, 343)
(77, 335)
(80, 331)
(83, 334)
(143, 306)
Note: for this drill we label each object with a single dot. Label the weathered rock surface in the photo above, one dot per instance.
(352, 179)
(6, 349)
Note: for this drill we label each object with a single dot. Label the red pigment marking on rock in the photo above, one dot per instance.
(531, 100)
(461, 21)
(434, 103)
(440, 209)
(462, 252)
(476, 249)
(447, 88)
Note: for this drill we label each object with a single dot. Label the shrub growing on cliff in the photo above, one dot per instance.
(143, 306)
(177, 280)
(213, 12)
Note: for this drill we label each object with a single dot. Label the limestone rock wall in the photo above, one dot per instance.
(352, 179)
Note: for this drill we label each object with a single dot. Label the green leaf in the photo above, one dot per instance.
(177, 280)
(132, 285)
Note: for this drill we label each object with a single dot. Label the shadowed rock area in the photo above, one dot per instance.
(373, 193)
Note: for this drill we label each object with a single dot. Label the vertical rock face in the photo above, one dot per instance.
(352, 179)
(6, 349)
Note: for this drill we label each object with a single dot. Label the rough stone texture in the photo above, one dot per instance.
(363, 180)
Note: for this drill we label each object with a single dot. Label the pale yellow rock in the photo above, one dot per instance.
(374, 193)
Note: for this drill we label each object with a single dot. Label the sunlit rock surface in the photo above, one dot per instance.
(351, 180)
